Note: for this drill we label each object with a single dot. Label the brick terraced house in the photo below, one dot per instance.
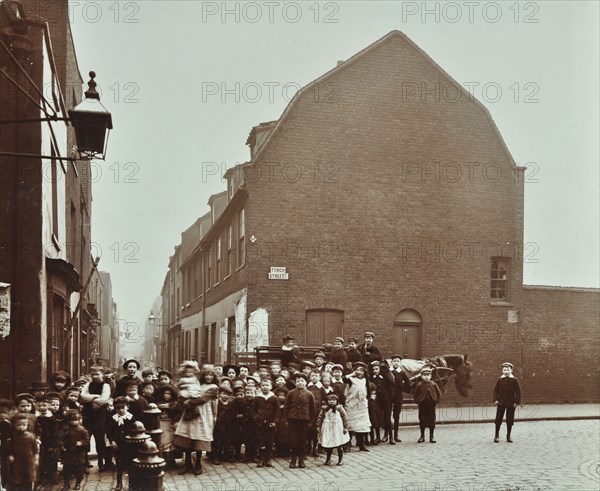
(384, 198)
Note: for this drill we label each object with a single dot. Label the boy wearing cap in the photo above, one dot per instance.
(401, 384)
(74, 450)
(299, 412)
(318, 391)
(338, 356)
(238, 409)
(507, 395)
(22, 453)
(353, 354)
(289, 351)
(223, 426)
(384, 383)
(320, 361)
(368, 350)
(427, 395)
(282, 443)
(266, 410)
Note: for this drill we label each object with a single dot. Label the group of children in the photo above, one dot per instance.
(291, 408)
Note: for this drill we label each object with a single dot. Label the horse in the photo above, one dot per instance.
(444, 367)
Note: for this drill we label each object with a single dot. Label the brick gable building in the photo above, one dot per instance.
(382, 199)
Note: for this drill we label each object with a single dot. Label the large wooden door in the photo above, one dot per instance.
(407, 334)
(323, 326)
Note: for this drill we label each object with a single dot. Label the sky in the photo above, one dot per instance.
(185, 82)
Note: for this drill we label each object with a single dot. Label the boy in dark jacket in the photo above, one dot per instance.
(318, 391)
(224, 425)
(238, 422)
(353, 355)
(50, 427)
(427, 395)
(74, 450)
(22, 454)
(137, 403)
(299, 412)
(401, 384)
(249, 424)
(507, 395)
(119, 426)
(368, 350)
(266, 410)
(384, 381)
(337, 355)
(282, 441)
(95, 398)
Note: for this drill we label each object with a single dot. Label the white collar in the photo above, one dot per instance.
(121, 419)
(318, 385)
(265, 396)
(510, 375)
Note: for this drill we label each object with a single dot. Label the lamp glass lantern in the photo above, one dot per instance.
(151, 318)
(92, 123)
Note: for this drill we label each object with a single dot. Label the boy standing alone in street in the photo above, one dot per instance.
(507, 395)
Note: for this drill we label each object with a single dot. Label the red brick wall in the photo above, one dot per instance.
(347, 233)
(561, 336)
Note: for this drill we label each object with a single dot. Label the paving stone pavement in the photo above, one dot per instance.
(545, 455)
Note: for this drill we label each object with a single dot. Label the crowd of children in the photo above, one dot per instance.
(290, 408)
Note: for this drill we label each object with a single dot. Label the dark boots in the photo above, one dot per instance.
(422, 437)
(497, 434)
(187, 466)
(431, 440)
(198, 464)
(328, 459)
(396, 423)
(340, 455)
(508, 430)
(360, 441)
(119, 486)
(293, 460)
(378, 439)
(301, 460)
(315, 449)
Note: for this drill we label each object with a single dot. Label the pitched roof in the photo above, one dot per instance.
(343, 65)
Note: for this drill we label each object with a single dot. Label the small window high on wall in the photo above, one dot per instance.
(500, 275)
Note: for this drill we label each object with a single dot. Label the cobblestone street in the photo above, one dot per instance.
(557, 455)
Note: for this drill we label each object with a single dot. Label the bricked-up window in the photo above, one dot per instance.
(228, 236)
(499, 278)
(241, 238)
(218, 262)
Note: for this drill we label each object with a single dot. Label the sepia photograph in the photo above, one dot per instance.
(254, 245)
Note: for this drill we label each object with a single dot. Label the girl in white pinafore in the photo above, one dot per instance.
(357, 404)
(332, 425)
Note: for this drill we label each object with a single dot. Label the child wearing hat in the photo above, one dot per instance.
(427, 395)
(22, 454)
(170, 412)
(59, 382)
(249, 424)
(50, 435)
(223, 426)
(332, 425)
(368, 350)
(299, 412)
(266, 410)
(507, 395)
(384, 382)
(282, 442)
(353, 354)
(337, 355)
(74, 450)
(401, 384)
(239, 409)
(318, 391)
(289, 351)
(24, 403)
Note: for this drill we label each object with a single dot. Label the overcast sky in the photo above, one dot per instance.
(162, 67)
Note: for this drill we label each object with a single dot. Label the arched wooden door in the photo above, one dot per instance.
(407, 334)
